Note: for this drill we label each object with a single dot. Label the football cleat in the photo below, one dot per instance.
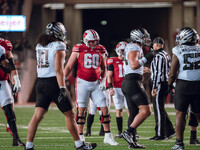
(178, 146)
(128, 137)
(135, 145)
(29, 148)
(194, 142)
(87, 146)
(88, 134)
(18, 143)
(108, 139)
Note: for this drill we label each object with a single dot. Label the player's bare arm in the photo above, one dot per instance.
(59, 67)
(71, 62)
(110, 81)
(174, 70)
(133, 60)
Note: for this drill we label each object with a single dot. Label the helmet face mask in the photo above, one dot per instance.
(90, 36)
(120, 48)
(56, 29)
(187, 36)
(140, 36)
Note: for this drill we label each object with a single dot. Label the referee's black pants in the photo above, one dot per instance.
(163, 126)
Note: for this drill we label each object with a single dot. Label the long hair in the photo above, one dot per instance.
(44, 39)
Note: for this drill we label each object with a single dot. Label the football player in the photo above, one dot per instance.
(186, 68)
(89, 57)
(50, 86)
(7, 99)
(115, 76)
(132, 86)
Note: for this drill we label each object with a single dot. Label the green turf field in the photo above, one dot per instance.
(53, 135)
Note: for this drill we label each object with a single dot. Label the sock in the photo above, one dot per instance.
(107, 134)
(102, 129)
(29, 144)
(131, 130)
(119, 121)
(179, 141)
(90, 120)
(78, 143)
(193, 135)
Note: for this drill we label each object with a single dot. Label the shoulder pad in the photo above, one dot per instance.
(110, 61)
(77, 48)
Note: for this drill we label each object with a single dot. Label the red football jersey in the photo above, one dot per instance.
(8, 46)
(89, 61)
(118, 72)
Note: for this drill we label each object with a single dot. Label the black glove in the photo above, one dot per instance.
(62, 95)
(170, 88)
(150, 55)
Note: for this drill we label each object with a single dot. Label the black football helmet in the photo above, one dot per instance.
(56, 29)
(140, 36)
(186, 36)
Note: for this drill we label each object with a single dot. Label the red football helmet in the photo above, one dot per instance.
(90, 35)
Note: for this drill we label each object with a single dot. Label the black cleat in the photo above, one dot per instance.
(87, 146)
(18, 143)
(178, 146)
(194, 142)
(158, 138)
(135, 145)
(171, 135)
(88, 134)
(128, 137)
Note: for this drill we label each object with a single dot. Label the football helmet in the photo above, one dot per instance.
(120, 48)
(140, 36)
(187, 35)
(90, 35)
(56, 29)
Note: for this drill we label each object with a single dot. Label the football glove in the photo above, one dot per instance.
(102, 85)
(62, 95)
(17, 85)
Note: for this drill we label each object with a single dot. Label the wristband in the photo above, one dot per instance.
(142, 61)
(110, 85)
(62, 87)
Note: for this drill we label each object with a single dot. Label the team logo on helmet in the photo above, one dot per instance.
(186, 36)
(90, 35)
(140, 36)
(56, 29)
(120, 48)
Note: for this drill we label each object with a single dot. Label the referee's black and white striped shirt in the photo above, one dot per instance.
(160, 67)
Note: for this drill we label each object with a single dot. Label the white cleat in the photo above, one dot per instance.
(82, 138)
(108, 139)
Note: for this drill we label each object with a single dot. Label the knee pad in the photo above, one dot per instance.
(193, 120)
(9, 113)
(81, 117)
(102, 118)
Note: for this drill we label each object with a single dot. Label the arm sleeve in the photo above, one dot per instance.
(110, 67)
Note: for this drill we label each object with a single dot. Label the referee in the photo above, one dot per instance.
(160, 67)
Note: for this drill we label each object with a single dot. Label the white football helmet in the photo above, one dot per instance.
(187, 36)
(120, 48)
(56, 29)
(90, 35)
(141, 36)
